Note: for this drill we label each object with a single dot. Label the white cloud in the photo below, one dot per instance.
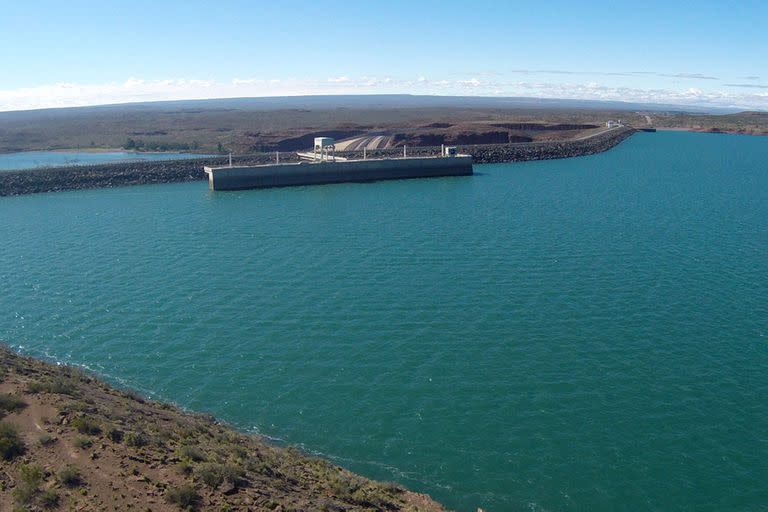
(133, 82)
(137, 89)
(247, 81)
(472, 82)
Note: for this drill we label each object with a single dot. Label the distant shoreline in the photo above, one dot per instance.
(99, 150)
(713, 131)
(119, 150)
(118, 174)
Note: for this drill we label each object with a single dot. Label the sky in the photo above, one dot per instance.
(705, 53)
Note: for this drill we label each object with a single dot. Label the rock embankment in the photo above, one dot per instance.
(520, 152)
(54, 179)
(492, 154)
(175, 171)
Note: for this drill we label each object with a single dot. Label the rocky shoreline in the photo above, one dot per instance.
(176, 171)
(516, 152)
(493, 154)
(69, 441)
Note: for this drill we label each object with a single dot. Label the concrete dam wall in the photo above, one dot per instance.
(293, 174)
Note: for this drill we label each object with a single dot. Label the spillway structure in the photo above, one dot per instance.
(322, 166)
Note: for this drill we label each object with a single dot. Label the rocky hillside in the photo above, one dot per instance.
(70, 442)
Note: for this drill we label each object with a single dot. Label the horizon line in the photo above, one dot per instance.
(532, 99)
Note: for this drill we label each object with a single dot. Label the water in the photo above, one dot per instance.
(33, 159)
(583, 334)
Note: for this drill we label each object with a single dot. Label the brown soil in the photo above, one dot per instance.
(287, 124)
(135, 454)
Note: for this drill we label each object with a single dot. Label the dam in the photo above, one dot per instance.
(322, 166)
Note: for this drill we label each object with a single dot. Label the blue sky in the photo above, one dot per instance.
(78, 52)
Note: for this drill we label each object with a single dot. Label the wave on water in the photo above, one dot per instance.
(582, 334)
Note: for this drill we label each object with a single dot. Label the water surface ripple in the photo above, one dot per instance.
(583, 334)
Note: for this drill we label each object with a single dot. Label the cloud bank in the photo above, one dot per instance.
(737, 95)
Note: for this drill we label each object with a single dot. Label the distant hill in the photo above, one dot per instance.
(244, 125)
(371, 101)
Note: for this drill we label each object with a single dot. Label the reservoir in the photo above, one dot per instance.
(34, 159)
(579, 334)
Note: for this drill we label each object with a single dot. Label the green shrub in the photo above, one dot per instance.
(184, 467)
(35, 387)
(115, 435)
(214, 475)
(83, 443)
(185, 497)
(70, 477)
(165, 435)
(30, 478)
(261, 467)
(24, 494)
(86, 425)
(46, 439)
(210, 475)
(240, 452)
(49, 498)
(133, 395)
(192, 453)
(344, 487)
(74, 406)
(58, 385)
(392, 488)
(137, 439)
(11, 444)
(10, 403)
(31, 474)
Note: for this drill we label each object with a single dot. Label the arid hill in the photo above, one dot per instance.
(249, 125)
(70, 442)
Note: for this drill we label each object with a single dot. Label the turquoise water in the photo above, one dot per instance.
(583, 334)
(33, 159)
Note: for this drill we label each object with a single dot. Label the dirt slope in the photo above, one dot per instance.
(70, 442)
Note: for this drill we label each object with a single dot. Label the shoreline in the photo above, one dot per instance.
(712, 131)
(123, 150)
(122, 450)
(108, 175)
(100, 150)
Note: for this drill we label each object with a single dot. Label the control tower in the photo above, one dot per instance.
(324, 149)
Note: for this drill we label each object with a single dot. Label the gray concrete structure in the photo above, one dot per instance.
(304, 173)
